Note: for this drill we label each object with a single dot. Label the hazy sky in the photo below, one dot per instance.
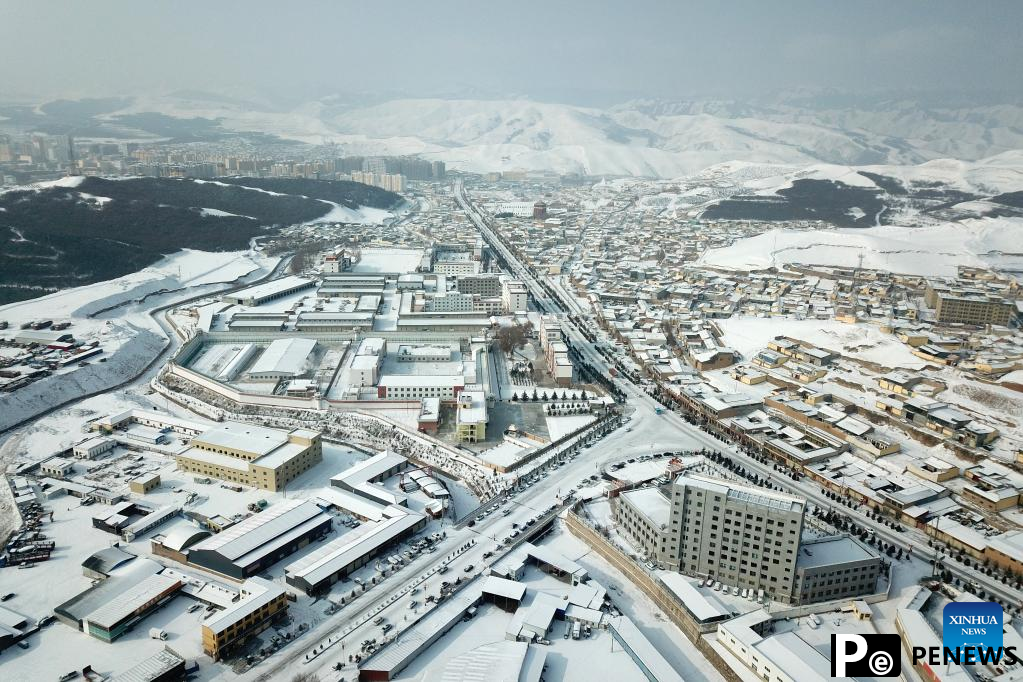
(571, 50)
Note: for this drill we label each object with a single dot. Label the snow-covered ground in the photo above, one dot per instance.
(748, 335)
(389, 260)
(932, 251)
(559, 427)
(364, 215)
(115, 313)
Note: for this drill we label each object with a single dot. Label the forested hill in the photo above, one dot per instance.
(74, 234)
(342, 192)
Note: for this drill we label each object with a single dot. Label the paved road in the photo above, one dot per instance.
(671, 431)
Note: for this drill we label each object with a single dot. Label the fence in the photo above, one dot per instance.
(658, 593)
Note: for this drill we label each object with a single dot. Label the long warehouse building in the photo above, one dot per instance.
(260, 541)
(269, 291)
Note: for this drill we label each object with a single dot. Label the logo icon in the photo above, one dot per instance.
(866, 655)
(972, 627)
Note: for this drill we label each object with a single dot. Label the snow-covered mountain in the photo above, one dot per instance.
(643, 138)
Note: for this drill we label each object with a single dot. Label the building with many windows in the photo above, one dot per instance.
(746, 537)
(260, 602)
(252, 455)
(961, 305)
(740, 535)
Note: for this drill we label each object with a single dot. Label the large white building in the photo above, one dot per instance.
(283, 359)
(270, 291)
(514, 296)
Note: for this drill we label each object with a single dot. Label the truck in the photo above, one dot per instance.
(157, 633)
(577, 629)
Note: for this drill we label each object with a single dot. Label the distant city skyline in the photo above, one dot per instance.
(570, 51)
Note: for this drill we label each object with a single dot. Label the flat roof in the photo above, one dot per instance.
(838, 549)
(704, 607)
(652, 504)
(260, 592)
(284, 356)
(472, 407)
(271, 288)
(250, 438)
(743, 493)
(443, 380)
(502, 587)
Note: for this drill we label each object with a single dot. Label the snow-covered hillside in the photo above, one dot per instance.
(932, 250)
(633, 139)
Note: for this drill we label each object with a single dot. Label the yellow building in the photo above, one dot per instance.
(252, 455)
(471, 419)
(260, 603)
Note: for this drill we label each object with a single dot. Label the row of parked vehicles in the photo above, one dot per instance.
(745, 592)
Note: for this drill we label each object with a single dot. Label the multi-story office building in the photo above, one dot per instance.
(514, 296)
(746, 537)
(836, 567)
(487, 286)
(960, 305)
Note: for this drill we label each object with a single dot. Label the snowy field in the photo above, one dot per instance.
(748, 335)
(389, 260)
(559, 427)
(364, 215)
(933, 251)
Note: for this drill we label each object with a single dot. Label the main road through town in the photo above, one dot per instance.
(653, 432)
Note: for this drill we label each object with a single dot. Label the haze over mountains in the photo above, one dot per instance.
(654, 138)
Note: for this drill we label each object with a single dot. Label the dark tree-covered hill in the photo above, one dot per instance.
(60, 237)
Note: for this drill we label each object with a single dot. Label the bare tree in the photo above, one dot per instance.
(511, 337)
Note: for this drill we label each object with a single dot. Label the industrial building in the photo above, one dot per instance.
(385, 521)
(260, 541)
(252, 455)
(115, 617)
(92, 447)
(283, 359)
(336, 560)
(270, 291)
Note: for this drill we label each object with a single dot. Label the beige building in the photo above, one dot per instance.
(252, 455)
(741, 535)
(966, 306)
